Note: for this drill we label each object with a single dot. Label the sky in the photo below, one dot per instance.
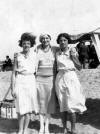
(44, 16)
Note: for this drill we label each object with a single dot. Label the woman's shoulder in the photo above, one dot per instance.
(17, 54)
(39, 47)
(73, 51)
(55, 49)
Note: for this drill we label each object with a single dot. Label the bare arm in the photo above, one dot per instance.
(37, 62)
(74, 57)
(14, 73)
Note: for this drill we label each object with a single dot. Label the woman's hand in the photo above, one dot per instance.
(13, 94)
(12, 91)
(73, 51)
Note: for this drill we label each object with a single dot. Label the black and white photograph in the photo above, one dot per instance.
(49, 67)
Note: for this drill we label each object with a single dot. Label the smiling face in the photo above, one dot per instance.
(63, 43)
(26, 45)
(45, 40)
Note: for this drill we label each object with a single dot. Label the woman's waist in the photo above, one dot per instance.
(25, 73)
(66, 69)
(25, 78)
(45, 71)
(45, 79)
(69, 73)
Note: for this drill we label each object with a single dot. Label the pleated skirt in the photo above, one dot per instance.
(26, 94)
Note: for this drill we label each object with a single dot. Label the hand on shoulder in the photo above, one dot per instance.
(73, 51)
(15, 55)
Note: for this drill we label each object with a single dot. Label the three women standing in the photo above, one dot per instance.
(42, 99)
(23, 83)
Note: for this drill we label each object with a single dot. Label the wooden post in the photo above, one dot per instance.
(96, 41)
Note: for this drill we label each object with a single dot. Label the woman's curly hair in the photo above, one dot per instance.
(27, 37)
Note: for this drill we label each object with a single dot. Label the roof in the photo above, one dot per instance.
(84, 36)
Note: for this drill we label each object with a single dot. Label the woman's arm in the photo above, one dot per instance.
(74, 57)
(14, 73)
(55, 63)
(37, 61)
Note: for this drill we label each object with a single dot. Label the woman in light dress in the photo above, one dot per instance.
(45, 81)
(23, 81)
(68, 88)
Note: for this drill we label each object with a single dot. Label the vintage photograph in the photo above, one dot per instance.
(49, 67)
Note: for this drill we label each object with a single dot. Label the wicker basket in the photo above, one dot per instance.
(8, 107)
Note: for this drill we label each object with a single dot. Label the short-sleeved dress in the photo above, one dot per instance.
(68, 88)
(25, 84)
(45, 80)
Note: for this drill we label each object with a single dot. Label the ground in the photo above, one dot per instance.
(88, 123)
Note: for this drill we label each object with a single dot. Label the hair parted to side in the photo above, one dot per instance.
(27, 37)
(42, 36)
(67, 36)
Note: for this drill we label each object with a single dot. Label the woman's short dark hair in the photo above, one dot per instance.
(42, 36)
(27, 37)
(67, 36)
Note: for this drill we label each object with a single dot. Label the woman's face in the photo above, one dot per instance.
(63, 43)
(46, 40)
(26, 45)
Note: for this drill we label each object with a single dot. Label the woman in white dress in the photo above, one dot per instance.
(68, 88)
(23, 82)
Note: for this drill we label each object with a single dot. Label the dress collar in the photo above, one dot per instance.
(64, 53)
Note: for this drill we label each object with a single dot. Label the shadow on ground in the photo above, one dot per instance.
(11, 125)
(8, 125)
(53, 127)
(90, 117)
